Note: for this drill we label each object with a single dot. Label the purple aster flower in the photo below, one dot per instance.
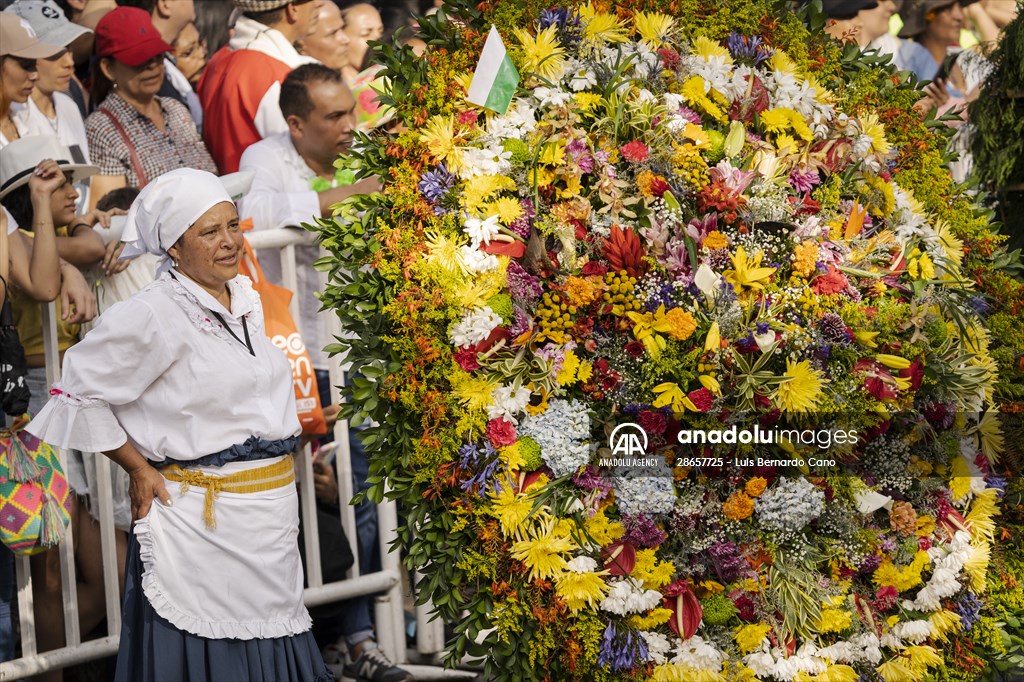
(580, 155)
(521, 284)
(642, 532)
(688, 114)
(804, 179)
(620, 649)
(521, 323)
(728, 562)
(434, 184)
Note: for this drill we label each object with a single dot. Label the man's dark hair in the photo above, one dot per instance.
(118, 198)
(147, 5)
(295, 98)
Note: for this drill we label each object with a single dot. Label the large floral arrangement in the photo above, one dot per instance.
(698, 219)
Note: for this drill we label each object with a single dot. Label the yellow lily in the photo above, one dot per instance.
(714, 339)
(710, 383)
(644, 327)
(866, 338)
(670, 394)
(892, 361)
(747, 273)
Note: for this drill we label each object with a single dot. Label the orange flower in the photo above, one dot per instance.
(755, 486)
(681, 324)
(715, 240)
(581, 292)
(739, 506)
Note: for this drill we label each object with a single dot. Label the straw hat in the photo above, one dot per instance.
(21, 157)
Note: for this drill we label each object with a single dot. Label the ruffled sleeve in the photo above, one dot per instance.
(113, 365)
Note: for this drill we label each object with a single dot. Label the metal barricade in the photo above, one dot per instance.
(386, 583)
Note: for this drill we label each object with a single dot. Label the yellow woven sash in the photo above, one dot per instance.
(269, 477)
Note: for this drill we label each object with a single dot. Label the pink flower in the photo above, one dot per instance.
(635, 151)
(702, 399)
(501, 433)
(886, 597)
(466, 359)
(652, 422)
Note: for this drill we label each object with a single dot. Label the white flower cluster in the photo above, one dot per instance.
(650, 491)
(788, 91)
(489, 160)
(790, 505)
(582, 564)
(481, 231)
(563, 433)
(947, 561)
(476, 326)
(862, 648)
(697, 654)
(476, 261)
(518, 122)
(628, 596)
(507, 402)
(913, 631)
(774, 663)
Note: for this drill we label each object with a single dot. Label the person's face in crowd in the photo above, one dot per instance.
(307, 15)
(136, 82)
(190, 53)
(55, 72)
(62, 202)
(18, 76)
(946, 24)
(180, 13)
(329, 43)
(362, 24)
(875, 21)
(327, 131)
(210, 250)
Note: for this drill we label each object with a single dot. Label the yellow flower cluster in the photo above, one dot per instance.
(654, 574)
(834, 620)
(805, 257)
(755, 486)
(782, 119)
(715, 240)
(903, 579)
(738, 507)
(681, 324)
(749, 637)
(581, 292)
(696, 92)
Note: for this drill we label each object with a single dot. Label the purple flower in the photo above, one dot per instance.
(804, 179)
(580, 155)
(749, 50)
(434, 184)
(619, 649)
(642, 532)
(969, 610)
(521, 284)
(485, 461)
(521, 323)
(688, 114)
(728, 562)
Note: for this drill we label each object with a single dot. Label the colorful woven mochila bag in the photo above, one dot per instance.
(35, 502)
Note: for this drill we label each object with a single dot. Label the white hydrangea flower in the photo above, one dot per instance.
(563, 433)
(476, 326)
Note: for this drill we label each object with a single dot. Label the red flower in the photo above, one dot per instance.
(702, 399)
(500, 432)
(686, 610)
(886, 597)
(467, 118)
(652, 422)
(466, 358)
(635, 151)
(594, 268)
(634, 349)
(659, 186)
(832, 282)
(744, 604)
(669, 58)
(915, 373)
(619, 558)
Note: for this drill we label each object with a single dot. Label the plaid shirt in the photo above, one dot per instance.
(178, 145)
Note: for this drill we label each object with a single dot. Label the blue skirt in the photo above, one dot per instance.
(153, 650)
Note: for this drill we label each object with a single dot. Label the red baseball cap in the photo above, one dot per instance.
(127, 34)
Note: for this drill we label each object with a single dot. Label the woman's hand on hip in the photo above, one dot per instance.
(145, 485)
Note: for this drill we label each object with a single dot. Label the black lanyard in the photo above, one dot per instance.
(245, 329)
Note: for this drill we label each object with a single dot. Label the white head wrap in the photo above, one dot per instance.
(166, 208)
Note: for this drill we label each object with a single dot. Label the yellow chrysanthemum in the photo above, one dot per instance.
(543, 550)
(587, 101)
(944, 623)
(478, 189)
(960, 482)
(707, 49)
(903, 579)
(805, 257)
(581, 590)
(439, 137)
(657, 616)
(567, 376)
(990, 433)
(834, 673)
(444, 250)
(511, 510)
(602, 530)
(601, 26)
(834, 620)
(653, 573)
(698, 94)
(780, 61)
(715, 240)
(507, 209)
(543, 55)
(871, 126)
(749, 637)
(581, 291)
(801, 389)
(980, 518)
(654, 28)
(473, 393)
(896, 670)
(922, 658)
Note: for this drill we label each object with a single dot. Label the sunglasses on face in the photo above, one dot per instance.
(26, 64)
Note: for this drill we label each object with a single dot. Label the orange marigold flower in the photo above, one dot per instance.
(738, 507)
(715, 240)
(805, 256)
(682, 324)
(581, 292)
(755, 486)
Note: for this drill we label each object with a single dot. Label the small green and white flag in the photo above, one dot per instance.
(495, 79)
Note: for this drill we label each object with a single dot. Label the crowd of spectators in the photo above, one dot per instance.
(100, 97)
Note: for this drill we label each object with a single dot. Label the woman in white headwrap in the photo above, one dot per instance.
(181, 387)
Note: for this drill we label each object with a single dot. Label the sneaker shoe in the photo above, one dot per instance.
(373, 666)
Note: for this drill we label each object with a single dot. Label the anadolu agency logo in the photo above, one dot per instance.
(628, 442)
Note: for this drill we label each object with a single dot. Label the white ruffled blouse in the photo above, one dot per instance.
(161, 370)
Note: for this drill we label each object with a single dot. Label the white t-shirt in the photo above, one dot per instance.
(68, 125)
(12, 224)
(19, 115)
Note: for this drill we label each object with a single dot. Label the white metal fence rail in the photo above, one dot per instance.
(387, 582)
